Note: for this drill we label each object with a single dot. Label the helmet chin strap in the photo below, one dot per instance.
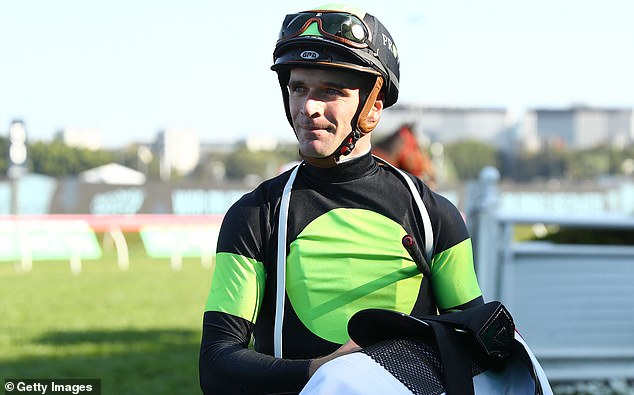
(362, 128)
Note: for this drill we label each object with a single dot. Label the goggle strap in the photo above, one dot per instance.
(325, 33)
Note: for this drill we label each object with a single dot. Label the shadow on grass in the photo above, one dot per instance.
(127, 361)
(130, 336)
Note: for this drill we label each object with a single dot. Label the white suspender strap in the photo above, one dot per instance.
(422, 210)
(280, 292)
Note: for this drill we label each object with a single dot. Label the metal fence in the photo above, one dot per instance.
(574, 304)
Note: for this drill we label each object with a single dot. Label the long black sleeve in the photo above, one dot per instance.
(228, 366)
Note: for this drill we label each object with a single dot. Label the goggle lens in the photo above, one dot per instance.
(341, 27)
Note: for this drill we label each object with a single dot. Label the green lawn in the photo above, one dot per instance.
(138, 331)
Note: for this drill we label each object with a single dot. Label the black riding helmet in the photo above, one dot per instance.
(343, 37)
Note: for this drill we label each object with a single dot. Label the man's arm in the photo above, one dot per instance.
(228, 366)
(472, 303)
(454, 279)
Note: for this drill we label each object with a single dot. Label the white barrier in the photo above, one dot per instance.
(29, 240)
(574, 304)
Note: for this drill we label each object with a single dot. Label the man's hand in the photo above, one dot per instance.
(346, 348)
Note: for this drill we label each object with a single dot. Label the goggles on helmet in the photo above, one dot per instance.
(342, 27)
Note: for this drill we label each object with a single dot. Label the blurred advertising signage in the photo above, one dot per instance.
(197, 240)
(47, 240)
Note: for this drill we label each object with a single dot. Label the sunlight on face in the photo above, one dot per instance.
(323, 104)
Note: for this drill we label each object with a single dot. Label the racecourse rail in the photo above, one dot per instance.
(27, 238)
(573, 303)
(123, 222)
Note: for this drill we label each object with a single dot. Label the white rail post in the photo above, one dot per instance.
(486, 230)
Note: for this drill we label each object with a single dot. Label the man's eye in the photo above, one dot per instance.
(296, 89)
(333, 92)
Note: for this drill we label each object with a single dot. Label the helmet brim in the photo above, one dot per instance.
(314, 52)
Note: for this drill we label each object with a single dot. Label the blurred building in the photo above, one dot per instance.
(89, 138)
(261, 143)
(444, 125)
(580, 127)
(575, 127)
(179, 151)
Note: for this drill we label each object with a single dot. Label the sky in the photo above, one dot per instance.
(130, 68)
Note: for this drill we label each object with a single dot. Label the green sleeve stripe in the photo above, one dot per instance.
(237, 286)
(453, 276)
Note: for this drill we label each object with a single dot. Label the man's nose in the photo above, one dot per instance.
(313, 106)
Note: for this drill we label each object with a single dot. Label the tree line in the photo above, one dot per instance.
(461, 161)
(468, 157)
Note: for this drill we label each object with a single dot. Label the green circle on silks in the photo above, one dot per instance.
(351, 259)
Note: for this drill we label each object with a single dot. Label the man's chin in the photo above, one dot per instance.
(313, 155)
(314, 152)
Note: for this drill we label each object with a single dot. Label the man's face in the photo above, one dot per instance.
(322, 104)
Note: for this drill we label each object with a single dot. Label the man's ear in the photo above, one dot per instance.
(375, 111)
(371, 113)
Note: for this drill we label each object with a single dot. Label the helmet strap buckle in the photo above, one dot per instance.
(348, 144)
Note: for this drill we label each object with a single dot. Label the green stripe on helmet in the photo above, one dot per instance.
(312, 30)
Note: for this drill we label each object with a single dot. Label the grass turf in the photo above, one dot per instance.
(138, 331)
